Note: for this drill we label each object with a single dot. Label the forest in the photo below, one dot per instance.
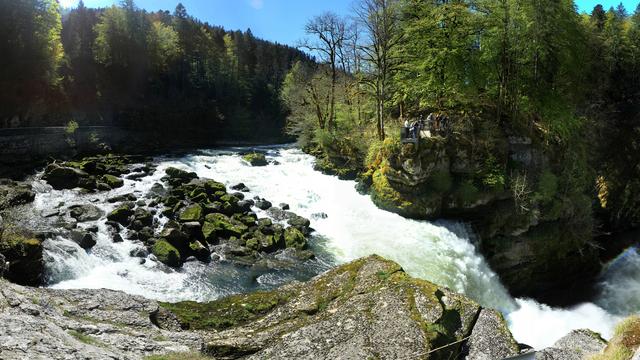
(127, 67)
(501, 70)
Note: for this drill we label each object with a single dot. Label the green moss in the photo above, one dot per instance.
(255, 159)
(166, 253)
(179, 356)
(113, 181)
(294, 238)
(213, 187)
(220, 225)
(228, 312)
(16, 245)
(547, 186)
(191, 213)
(86, 339)
(121, 214)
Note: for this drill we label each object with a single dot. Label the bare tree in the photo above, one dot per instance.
(329, 34)
(380, 20)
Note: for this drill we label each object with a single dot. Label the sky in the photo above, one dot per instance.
(276, 20)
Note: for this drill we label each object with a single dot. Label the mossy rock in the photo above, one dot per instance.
(121, 214)
(166, 253)
(213, 187)
(24, 255)
(113, 181)
(192, 213)
(180, 174)
(255, 159)
(220, 225)
(294, 238)
(231, 311)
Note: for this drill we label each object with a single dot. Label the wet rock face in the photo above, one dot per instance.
(491, 338)
(14, 193)
(369, 308)
(577, 345)
(38, 323)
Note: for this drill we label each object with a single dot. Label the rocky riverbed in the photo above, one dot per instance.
(369, 308)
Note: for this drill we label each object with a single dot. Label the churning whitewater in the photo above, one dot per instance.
(347, 226)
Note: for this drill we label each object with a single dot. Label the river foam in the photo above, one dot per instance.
(348, 226)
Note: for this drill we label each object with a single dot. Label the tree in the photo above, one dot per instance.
(380, 20)
(330, 33)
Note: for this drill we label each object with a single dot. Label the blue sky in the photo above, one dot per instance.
(276, 20)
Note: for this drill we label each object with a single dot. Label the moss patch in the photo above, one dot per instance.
(231, 311)
(166, 253)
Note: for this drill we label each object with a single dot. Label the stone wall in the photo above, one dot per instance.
(20, 145)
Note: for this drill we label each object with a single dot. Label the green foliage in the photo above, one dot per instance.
(492, 173)
(547, 186)
(71, 127)
(466, 193)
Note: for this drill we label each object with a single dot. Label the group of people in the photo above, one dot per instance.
(435, 123)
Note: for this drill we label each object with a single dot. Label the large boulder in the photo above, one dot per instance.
(218, 225)
(191, 213)
(113, 181)
(166, 253)
(255, 159)
(85, 240)
(62, 177)
(491, 338)
(294, 238)
(121, 214)
(577, 345)
(85, 212)
(369, 308)
(13, 193)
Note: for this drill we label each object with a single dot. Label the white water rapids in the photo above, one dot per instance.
(354, 227)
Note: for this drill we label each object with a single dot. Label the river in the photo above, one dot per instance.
(441, 252)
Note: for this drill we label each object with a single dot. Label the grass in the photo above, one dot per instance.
(86, 339)
(625, 341)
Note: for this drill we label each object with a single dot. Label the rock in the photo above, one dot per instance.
(145, 234)
(85, 324)
(13, 194)
(284, 206)
(177, 176)
(219, 225)
(255, 159)
(85, 240)
(294, 238)
(60, 177)
(157, 189)
(144, 216)
(263, 204)
(245, 205)
(240, 187)
(317, 216)
(4, 266)
(490, 338)
(100, 186)
(200, 251)
(192, 213)
(139, 252)
(114, 182)
(24, 256)
(121, 214)
(365, 309)
(167, 253)
(117, 238)
(85, 212)
(212, 187)
(577, 345)
(122, 198)
(193, 229)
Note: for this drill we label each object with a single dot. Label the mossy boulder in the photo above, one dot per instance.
(121, 214)
(255, 159)
(176, 173)
(114, 182)
(24, 256)
(62, 177)
(212, 187)
(389, 315)
(294, 238)
(166, 253)
(219, 225)
(191, 213)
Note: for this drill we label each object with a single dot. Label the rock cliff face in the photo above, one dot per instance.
(530, 231)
